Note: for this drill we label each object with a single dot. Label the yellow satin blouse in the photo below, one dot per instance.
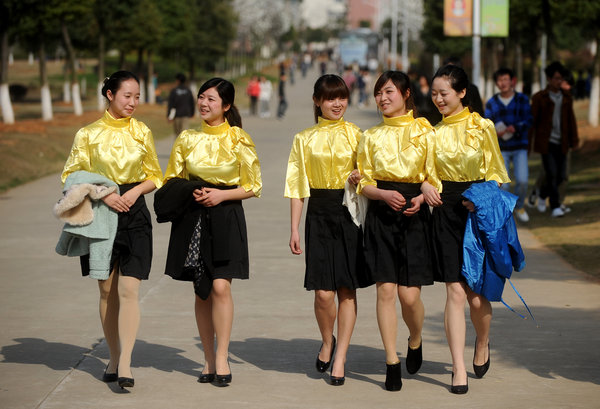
(223, 155)
(396, 150)
(322, 157)
(466, 149)
(121, 150)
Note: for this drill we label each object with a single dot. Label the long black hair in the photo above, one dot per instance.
(113, 83)
(328, 86)
(226, 91)
(401, 82)
(458, 79)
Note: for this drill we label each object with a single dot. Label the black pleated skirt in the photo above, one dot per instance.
(397, 247)
(448, 224)
(132, 248)
(334, 256)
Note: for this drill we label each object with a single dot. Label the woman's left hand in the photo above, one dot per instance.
(416, 203)
(469, 205)
(131, 196)
(211, 196)
(354, 177)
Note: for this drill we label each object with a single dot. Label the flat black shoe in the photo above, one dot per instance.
(337, 380)
(125, 382)
(480, 370)
(414, 358)
(206, 378)
(323, 366)
(459, 389)
(393, 377)
(109, 377)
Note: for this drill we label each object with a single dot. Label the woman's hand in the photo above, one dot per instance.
(354, 177)
(295, 243)
(469, 205)
(209, 196)
(394, 199)
(416, 203)
(116, 202)
(431, 195)
(131, 196)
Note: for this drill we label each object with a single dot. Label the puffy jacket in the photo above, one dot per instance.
(491, 248)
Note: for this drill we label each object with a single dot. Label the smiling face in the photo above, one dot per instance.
(445, 98)
(125, 100)
(390, 100)
(505, 84)
(211, 107)
(333, 109)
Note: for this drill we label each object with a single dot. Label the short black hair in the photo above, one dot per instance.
(180, 77)
(553, 68)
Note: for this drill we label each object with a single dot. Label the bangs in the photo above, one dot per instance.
(331, 87)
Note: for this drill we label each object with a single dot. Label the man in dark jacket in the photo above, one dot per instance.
(553, 133)
(181, 105)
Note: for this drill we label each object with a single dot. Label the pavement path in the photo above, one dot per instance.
(52, 353)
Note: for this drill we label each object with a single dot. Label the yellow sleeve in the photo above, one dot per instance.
(296, 179)
(250, 176)
(176, 166)
(494, 163)
(365, 164)
(79, 158)
(150, 163)
(430, 169)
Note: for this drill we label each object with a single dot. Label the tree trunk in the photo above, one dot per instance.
(77, 108)
(101, 52)
(45, 89)
(151, 87)
(7, 111)
(519, 65)
(595, 91)
(121, 59)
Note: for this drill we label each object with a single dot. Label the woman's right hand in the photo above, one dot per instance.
(431, 194)
(394, 199)
(295, 243)
(116, 202)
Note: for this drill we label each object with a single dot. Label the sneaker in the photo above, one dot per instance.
(522, 215)
(541, 205)
(565, 209)
(557, 212)
(530, 202)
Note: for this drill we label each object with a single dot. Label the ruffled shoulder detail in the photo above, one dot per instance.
(418, 128)
(475, 127)
(241, 136)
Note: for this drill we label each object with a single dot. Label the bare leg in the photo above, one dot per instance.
(203, 310)
(454, 322)
(222, 320)
(481, 316)
(325, 313)
(413, 312)
(387, 319)
(129, 321)
(346, 321)
(109, 317)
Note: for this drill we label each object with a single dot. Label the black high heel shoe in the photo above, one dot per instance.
(206, 377)
(480, 370)
(393, 377)
(459, 389)
(414, 358)
(336, 380)
(224, 380)
(323, 366)
(125, 382)
(110, 377)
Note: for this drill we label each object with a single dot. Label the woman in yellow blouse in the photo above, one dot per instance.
(322, 158)
(221, 164)
(121, 149)
(466, 151)
(391, 160)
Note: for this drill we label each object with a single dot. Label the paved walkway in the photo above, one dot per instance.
(52, 353)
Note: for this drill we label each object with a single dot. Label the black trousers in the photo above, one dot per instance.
(554, 163)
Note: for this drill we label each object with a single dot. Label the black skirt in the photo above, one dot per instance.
(132, 248)
(334, 256)
(448, 224)
(397, 247)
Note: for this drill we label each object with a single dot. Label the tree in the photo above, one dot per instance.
(9, 19)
